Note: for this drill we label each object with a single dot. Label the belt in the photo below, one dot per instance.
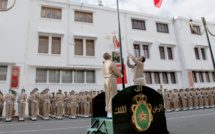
(59, 101)
(135, 80)
(110, 77)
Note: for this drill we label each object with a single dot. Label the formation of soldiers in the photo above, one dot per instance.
(48, 105)
(189, 99)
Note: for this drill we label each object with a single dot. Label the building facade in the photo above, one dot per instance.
(60, 44)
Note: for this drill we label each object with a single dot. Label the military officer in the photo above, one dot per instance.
(29, 105)
(171, 100)
(201, 98)
(22, 105)
(34, 104)
(73, 102)
(41, 112)
(195, 99)
(59, 103)
(86, 104)
(205, 95)
(184, 99)
(180, 104)
(167, 100)
(46, 98)
(1, 104)
(77, 105)
(9, 99)
(111, 72)
(81, 99)
(176, 100)
(190, 99)
(97, 93)
(211, 97)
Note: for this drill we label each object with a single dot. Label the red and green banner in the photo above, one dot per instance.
(15, 70)
(158, 3)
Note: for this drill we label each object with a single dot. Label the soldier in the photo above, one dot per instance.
(97, 93)
(46, 98)
(34, 104)
(195, 99)
(22, 104)
(41, 113)
(213, 94)
(77, 105)
(111, 72)
(65, 104)
(167, 100)
(201, 98)
(52, 109)
(138, 68)
(90, 101)
(73, 104)
(211, 97)
(86, 105)
(81, 99)
(205, 95)
(184, 99)
(59, 103)
(9, 99)
(1, 104)
(176, 100)
(180, 104)
(55, 102)
(171, 100)
(190, 99)
(29, 106)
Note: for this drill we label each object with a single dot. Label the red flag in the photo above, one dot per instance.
(158, 3)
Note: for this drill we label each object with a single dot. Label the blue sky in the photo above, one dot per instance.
(170, 8)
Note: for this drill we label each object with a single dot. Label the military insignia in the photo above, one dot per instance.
(142, 113)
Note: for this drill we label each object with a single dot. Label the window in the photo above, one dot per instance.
(173, 79)
(3, 73)
(213, 76)
(169, 50)
(196, 28)
(78, 47)
(148, 78)
(43, 44)
(157, 78)
(138, 24)
(41, 75)
(3, 4)
(162, 53)
(56, 45)
(90, 48)
(207, 77)
(83, 17)
(146, 51)
(79, 76)
(194, 77)
(201, 77)
(165, 78)
(52, 13)
(203, 53)
(66, 76)
(162, 28)
(136, 50)
(196, 50)
(54, 76)
(90, 76)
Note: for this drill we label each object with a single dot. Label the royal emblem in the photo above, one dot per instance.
(142, 113)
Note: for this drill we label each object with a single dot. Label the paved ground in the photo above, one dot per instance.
(190, 122)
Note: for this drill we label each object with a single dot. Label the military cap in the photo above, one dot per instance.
(72, 91)
(59, 90)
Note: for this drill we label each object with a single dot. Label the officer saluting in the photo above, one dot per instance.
(22, 104)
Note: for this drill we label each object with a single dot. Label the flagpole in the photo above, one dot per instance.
(120, 42)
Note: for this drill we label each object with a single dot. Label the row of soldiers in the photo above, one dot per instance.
(189, 99)
(48, 104)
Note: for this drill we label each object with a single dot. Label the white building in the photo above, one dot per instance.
(60, 44)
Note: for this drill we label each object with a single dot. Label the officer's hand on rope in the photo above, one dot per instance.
(121, 75)
(128, 57)
(128, 51)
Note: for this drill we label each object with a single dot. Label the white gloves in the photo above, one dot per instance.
(35, 101)
(121, 75)
(56, 105)
(120, 68)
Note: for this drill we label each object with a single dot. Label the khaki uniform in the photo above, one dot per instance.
(184, 100)
(41, 111)
(52, 107)
(73, 103)
(86, 105)
(138, 70)
(59, 103)
(46, 98)
(1, 105)
(9, 99)
(111, 73)
(78, 105)
(35, 98)
(171, 101)
(81, 100)
(190, 100)
(66, 109)
(29, 106)
(195, 99)
(22, 104)
(167, 101)
(176, 100)
(90, 105)
(211, 98)
(205, 96)
(201, 99)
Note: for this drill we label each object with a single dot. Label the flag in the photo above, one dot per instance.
(158, 3)
(116, 42)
